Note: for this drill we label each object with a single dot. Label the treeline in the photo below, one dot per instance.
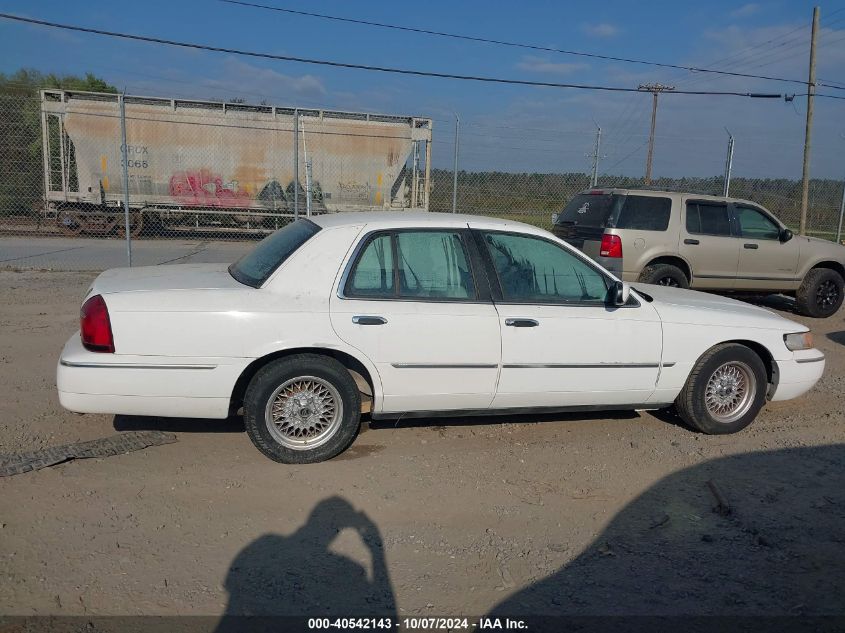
(21, 166)
(535, 194)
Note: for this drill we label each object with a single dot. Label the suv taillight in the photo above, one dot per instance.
(611, 246)
(95, 327)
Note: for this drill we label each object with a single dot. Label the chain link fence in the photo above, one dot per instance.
(215, 172)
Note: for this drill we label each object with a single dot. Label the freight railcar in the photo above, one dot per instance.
(205, 164)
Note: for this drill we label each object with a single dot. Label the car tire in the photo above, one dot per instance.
(302, 409)
(664, 275)
(708, 403)
(820, 294)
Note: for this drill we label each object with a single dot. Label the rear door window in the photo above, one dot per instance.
(708, 218)
(643, 213)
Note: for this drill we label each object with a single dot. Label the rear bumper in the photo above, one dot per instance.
(91, 382)
(797, 376)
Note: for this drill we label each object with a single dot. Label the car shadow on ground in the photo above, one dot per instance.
(233, 424)
(489, 419)
(779, 302)
(837, 337)
(755, 534)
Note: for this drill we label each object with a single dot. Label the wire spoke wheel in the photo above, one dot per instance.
(304, 412)
(730, 392)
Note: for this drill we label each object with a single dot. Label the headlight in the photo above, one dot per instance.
(801, 340)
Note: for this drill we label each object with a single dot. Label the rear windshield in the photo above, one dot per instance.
(254, 268)
(643, 213)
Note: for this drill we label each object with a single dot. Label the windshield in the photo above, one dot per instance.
(590, 209)
(254, 268)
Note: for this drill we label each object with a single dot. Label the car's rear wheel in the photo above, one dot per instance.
(302, 409)
(664, 275)
(820, 294)
(725, 390)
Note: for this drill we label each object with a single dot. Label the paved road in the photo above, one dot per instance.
(98, 254)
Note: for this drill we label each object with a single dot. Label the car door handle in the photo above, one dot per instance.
(369, 320)
(522, 322)
(692, 242)
(752, 246)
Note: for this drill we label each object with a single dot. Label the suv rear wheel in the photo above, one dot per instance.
(664, 275)
(820, 294)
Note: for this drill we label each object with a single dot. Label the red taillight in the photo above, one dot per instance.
(95, 326)
(611, 246)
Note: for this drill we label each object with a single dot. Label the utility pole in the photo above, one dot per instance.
(808, 131)
(594, 180)
(654, 89)
(729, 161)
(455, 166)
(296, 164)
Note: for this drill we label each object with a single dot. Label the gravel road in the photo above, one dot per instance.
(578, 514)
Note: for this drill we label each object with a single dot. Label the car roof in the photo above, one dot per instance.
(400, 219)
(666, 192)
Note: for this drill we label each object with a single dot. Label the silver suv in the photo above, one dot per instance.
(703, 242)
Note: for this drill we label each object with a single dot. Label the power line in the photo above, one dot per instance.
(383, 69)
(486, 40)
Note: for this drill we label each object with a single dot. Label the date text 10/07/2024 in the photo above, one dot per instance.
(418, 624)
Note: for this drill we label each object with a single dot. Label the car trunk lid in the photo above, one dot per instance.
(157, 278)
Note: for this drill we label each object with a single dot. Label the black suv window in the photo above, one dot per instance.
(643, 213)
(412, 264)
(708, 218)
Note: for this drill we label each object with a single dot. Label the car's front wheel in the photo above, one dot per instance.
(725, 390)
(820, 294)
(302, 409)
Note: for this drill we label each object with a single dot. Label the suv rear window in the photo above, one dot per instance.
(642, 213)
(254, 268)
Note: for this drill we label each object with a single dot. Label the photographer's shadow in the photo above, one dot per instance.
(298, 575)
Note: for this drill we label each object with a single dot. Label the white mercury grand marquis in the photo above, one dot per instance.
(425, 314)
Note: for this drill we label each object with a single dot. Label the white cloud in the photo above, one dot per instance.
(602, 29)
(540, 65)
(745, 10)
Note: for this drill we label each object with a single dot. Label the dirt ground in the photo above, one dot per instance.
(579, 514)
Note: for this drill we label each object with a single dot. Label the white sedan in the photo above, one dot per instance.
(417, 315)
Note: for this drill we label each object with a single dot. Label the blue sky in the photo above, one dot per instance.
(505, 127)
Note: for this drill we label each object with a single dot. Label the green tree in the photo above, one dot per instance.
(21, 162)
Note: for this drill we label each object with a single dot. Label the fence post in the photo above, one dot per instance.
(296, 164)
(729, 161)
(124, 152)
(455, 167)
(841, 213)
(308, 187)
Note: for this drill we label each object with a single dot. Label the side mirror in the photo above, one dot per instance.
(785, 235)
(555, 217)
(620, 293)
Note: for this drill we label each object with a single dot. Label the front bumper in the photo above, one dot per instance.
(798, 375)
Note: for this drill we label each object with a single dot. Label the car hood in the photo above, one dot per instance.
(157, 278)
(690, 306)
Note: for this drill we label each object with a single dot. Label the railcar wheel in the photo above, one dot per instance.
(302, 409)
(136, 224)
(725, 390)
(70, 222)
